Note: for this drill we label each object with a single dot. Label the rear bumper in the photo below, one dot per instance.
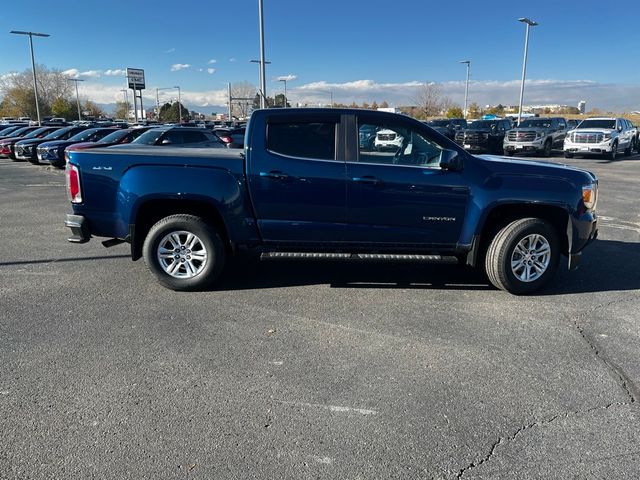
(79, 228)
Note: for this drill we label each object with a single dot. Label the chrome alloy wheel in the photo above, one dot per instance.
(182, 254)
(531, 257)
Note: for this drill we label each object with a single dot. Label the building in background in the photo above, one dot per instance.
(582, 106)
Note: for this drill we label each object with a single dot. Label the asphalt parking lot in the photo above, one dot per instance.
(313, 370)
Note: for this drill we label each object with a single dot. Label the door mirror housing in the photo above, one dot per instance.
(450, 160)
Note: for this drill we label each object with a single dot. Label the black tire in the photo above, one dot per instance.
(568, 155)
(546, 151)
(627, 151)
(613, 153)
(508, 153)
(209, 239)
(501, 253)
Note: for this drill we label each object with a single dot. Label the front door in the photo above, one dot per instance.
(297, 179)
(397, 194)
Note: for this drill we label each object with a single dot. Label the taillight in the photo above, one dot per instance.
(5, 149)
(226, 139)
(73, 184)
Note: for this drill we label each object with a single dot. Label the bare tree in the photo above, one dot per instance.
(242, 90)
(430, 100)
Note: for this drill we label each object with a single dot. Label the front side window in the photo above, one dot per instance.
(314, 140)
(398, 144)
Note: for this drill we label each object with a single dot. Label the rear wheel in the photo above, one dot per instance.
(523, 256)
(184, 252)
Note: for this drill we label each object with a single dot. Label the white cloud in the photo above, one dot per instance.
(91, 73)
(212, 61)
(171, 50)
(211, 71)
(232, 59)
(72, 72)
(116, 72)
(179, 66)
(288, 78)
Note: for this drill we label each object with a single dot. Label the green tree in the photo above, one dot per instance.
(65, 108)
(279, 101)
(170, 112)
(474, 111)
(455, 112)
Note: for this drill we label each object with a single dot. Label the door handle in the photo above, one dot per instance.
(274, 174)
(367, 179)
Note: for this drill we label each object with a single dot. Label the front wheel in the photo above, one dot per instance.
(184, 252)
(568, 155)
(627, 151)
(613, 153)
(546, 151)
(523, 256)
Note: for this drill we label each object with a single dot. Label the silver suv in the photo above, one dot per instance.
(603, 136)
(536, 135)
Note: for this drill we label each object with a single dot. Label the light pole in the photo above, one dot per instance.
(263, 80)
(262, 93)
(466, 88)
(126, 102)
(33, 64)
(284, 80)
(179, 105)
(530, 23)
(76, 80)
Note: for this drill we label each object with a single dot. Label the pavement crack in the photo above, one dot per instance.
(625, 382)
(524, 428)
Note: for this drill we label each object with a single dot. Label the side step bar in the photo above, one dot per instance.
(391, 257)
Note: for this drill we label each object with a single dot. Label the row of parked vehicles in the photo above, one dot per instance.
(605, 136)
(49, 143)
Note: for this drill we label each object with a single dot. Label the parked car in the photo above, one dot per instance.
(118, 137)
(387, 139)
(448, 127)
(176, 136)
(7, 130)
(602, 136)
(572, 123)
(53, 151)
(61, 133)
(484, 136)
(366, 137)
(25, 149)
(294, 194)
(7, 144)
(232, 137)
(536, 135)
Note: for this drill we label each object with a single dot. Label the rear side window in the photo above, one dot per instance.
(315, 140)
(193, 137)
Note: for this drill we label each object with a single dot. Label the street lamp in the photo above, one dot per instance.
(263, 79)
(262, 91)
(126, 102)
(76, 80)
(530, 23)
(466, 88)
(284, 80)
(179, 105)
(33, 64)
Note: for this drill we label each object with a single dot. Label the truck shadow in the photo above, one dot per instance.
(608, 265)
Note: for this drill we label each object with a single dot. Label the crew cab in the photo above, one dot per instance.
(536, 135)
(484, 136)
(602, 136)
(304, 188)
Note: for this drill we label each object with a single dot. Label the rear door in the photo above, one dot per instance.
(296, 172)
(403, 198)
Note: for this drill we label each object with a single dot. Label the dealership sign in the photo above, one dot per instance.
(135, 76)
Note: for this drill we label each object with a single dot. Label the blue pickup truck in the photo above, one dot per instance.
(305, 187)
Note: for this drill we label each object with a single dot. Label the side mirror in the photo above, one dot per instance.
(620, 128)
(450, 160)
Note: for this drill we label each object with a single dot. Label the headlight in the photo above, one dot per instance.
(590, 196)
(607, 136)
(539, 135)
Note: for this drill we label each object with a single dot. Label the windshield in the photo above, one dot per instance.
(20, 131)
(597, 124)
(482, 125)
(538, 123)
(114, 137)
(7, 130)
(37, 132)
(58, 134)
(149, 137)
(84, 135)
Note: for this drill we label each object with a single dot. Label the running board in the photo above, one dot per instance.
(392, 257)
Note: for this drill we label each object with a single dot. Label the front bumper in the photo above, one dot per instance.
(47, 155)
(534, 146)
(79, 228)
(603, 147)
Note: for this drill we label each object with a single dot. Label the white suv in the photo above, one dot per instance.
(387, 139)
(604, 136)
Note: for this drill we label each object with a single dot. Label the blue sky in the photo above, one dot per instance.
(360, 50)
